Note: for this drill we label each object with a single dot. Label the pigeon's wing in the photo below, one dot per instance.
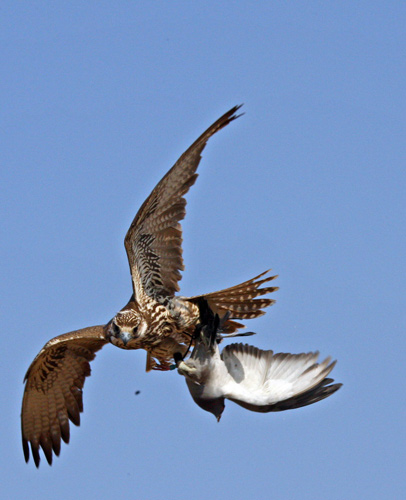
(154, 239)
(53, 390)
(263, 381)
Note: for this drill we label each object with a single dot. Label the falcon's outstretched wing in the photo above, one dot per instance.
(53, 390)
(154, 239)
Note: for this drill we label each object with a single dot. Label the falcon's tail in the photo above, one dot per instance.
(240, 300)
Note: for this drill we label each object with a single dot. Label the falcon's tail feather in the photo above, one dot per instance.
(240, 300)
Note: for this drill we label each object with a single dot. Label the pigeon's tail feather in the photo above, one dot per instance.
(209, 323)
(231, 335)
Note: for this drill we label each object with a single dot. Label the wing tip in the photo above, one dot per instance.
(26, 450)
(225, 119)
(234, 110)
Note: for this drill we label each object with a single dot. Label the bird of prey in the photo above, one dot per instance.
(154, 319)
(257, 380)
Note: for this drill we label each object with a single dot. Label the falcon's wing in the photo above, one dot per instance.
(264, 381)
(53, 390)
(154, 239)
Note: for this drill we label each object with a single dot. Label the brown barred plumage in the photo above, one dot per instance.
(154, 319)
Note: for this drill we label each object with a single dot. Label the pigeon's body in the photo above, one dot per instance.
(257, 380)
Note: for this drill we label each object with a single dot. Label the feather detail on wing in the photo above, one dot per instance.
(53, 390)
(264, 381)
(154, 239)
(240, 300)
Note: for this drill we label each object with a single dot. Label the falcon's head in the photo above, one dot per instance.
(124, 329)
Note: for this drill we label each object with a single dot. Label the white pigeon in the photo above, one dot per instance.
(257, 380)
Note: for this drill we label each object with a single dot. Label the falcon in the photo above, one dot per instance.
(154, 319)
(257, 380)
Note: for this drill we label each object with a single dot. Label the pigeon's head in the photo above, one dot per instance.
(125, 328)
(206, 401)
(204, 395)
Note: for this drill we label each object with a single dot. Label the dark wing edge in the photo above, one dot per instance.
(322, 389)
(53, 390)
(154, 240)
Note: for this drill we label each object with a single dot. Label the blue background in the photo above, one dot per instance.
(98, 100)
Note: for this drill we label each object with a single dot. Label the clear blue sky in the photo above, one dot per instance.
(98, 99)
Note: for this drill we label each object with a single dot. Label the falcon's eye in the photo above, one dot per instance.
(116, 329)
(134, 330)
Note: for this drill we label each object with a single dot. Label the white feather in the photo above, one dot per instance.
(253, 378)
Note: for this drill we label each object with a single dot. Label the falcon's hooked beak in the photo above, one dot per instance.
(120, 337)
(125, 336)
